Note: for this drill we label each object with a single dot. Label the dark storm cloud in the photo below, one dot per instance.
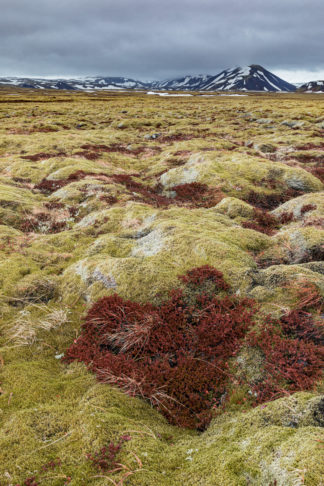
(149, 39)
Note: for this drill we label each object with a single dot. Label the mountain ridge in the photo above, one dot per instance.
(248, 78)
(312, 87)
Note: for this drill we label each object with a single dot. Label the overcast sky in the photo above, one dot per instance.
(158, 39)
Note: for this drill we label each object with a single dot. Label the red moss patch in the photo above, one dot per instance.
(271, 201)
(177, 355)
(174, 355)
(31, 481)
(307, 207)
(293, 355)
(47, 186)
(286, 217)
(197, 195)
(105, 460)
(264, 222)
(317, 172)
(88, 155)
(176, 138)
(108, 199)
(144, 193)
(42, 222)
(42, 156)
(53, 220)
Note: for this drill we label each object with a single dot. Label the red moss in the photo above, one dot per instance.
(42, 222)
(271, 201)
(88, 155)
(307, 207)
(105, 460)
(173, 355)
(311, 146)
(93, 147)
(54, 205)
(146, 193)
(49, 221)
(42, 156)
(200, 275)
(300, 324)
(43, 130)
(197, 194)
(318, 172)
(114, 147)
(286, 217)
(314, 222)
(47, 186)
(264, 222)
(191, 191)
(293, 355)
(177, 355)
(52, 464)
(31, 481)
(108, 199)
(175, 138)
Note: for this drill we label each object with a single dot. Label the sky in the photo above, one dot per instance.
(160, 39)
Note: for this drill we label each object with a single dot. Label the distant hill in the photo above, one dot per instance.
(87, 83)
(248, 78)
(312, 87)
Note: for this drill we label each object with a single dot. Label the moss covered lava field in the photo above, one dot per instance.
(161, 289)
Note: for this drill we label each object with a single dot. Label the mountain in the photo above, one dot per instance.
(249, 78)
(312, 87)
(191, 83)
(87, 83)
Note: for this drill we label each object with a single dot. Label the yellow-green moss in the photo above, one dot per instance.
(47, 281)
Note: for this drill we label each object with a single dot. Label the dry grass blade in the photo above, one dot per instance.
(24, 328)
(134, 334)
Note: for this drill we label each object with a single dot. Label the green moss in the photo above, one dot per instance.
(146, 244)
(234, 208)
(233, 172)
(316, 200)
(49, 409)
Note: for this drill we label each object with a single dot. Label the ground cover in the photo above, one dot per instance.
(105, 201)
